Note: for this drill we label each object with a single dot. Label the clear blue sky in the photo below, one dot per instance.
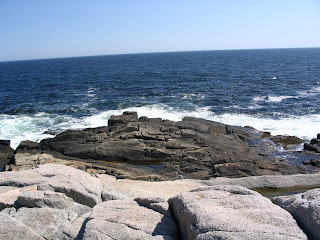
(32, 29)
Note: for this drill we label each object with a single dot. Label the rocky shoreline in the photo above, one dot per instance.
(86, 184)
(156, 149)
(54, 201)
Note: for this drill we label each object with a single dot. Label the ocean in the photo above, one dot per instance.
(274, 90)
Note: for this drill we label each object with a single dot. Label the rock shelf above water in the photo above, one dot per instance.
(191, 148)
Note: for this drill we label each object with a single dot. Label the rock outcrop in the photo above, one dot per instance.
(191, 148)
(231, 212)
(55, 201)
(6, 153)
(314, 145)
(305, 208)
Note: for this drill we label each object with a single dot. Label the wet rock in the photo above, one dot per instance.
(313, 162)
(313, 146)
(231, 212)
(305, 208)
(286, 141)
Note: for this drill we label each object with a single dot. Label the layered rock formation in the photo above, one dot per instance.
(191, 148)
(59, 202)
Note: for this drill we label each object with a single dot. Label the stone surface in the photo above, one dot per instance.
(78, 185)
(40, 199)
(12, 229)
(54, 202)
(191, 148)
(278, 181)
(231, 212)
(305, 208)
(6, 153)
(44, 221)
(125, 219)
(313, 146)
(9, 195)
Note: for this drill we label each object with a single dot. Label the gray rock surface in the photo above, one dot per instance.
(12, 229)
(54, 202)
(191, 148)
(125, 219)
(44, 221)
(40, 199)
(231, 212)
(305, 208)
(277, 181)
(78, 185)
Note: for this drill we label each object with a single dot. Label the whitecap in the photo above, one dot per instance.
(311, 92)
(271, 98)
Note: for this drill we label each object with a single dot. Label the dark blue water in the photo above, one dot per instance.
(276, 90)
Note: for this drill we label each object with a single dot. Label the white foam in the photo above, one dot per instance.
(271, 98)
(19, 128)
(311, 92)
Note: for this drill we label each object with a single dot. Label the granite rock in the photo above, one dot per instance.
(305, 208)
(231, 212)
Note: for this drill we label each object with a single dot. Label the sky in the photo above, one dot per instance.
(36, 29)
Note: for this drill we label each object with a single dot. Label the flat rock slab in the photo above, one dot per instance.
(279, 181)
(305, 208)
(12, 229)
(126, 219)
(231, 212)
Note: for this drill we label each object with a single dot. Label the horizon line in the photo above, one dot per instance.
(136, 53)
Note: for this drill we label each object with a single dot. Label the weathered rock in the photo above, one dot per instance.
(109, 193)
(9, 195)
(28, 145)
(40, 199)
(312, 162)
(191, 148)
(313, 146)
(12, 229)
(44, 221)
(6, 153)
(125, 219)
(286, 141)
(78, 185)
(305, 208)
(275, 182)
(20, 178)
(231, 212)
(155, 203)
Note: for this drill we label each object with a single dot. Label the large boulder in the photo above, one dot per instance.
(126, 219)
(231, 212)
(305, 208)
